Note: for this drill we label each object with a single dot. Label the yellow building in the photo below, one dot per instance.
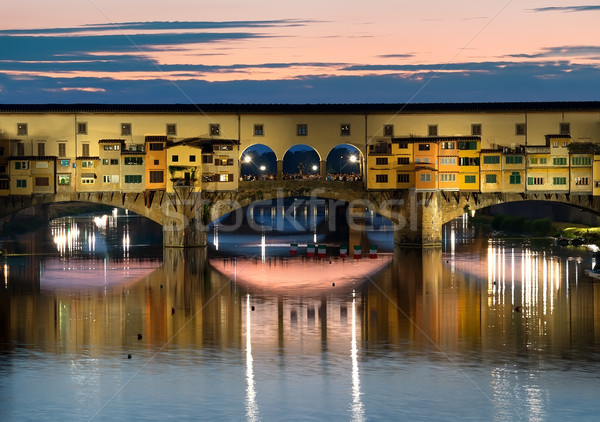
(402, 152)
(4, 154)
(468, 151)
(43, 173)
(513, 169)
(184, 166)
(381, 168)
(448, 163)
(109, 170)
(596, 174)
(490, 170)
(87, 177)
(156, 162)
(133, 168)
(19, 171)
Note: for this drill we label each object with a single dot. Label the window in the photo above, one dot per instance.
(171, 129)
(114, 161)
(192, 158)
(64, 163)
(85, 150)
(21, 128)
(476, 129)
(520, 129)
(258, 130)
(424, 147)
(42, 181)
(469, 161)
(470, 179)
(535, 180)
(225, 177)
(157, 176)
(388, 130)
(175, 158)
(224, 162)
(381, 178)
(105, 161)
(490, 178)
(559, 161)
(514, 159)
(447, 177)
(447, 145)
(554, 144)
(448, 160)
(345, 129)
(111, 178)
(1, 151)
(41, 149)
(579, 181)
(156, 146)
(467, 145)
(543, 160)
(214, 129)
(41, 165)
(64, 179)
(403, 178)
(533, 160)
(515, 178)
(21, 183)
(207, 159)
(432, 130)
(228, 147)
(81, 128)
(133, 161)
(581, 161)
(125, 128)
(21, 165)
(133, 178)
(112, 147)
(87, 164)
(403, 145)
(20, 149)
(559, 180)
(564, 128)
(156, 162)
(62, 149)
(491, 159)
(382, 161)
(302, 130)
(403, 160)
(425, 177)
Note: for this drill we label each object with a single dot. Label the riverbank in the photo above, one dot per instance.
(541, 227)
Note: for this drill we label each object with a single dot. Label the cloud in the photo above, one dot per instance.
(563, 51)
(396, 56)
(567, 9)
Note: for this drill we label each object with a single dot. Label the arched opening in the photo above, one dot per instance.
(301, 162)
(258, 161)
(344, 162)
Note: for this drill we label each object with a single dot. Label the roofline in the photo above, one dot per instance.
(349, 108)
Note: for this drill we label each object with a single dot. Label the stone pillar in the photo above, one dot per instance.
(419, 221)
(279, 169)
(183, 225)
(323, 170)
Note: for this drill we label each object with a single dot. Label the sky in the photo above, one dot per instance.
(314, 51)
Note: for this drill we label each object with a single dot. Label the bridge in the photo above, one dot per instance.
(184, 214)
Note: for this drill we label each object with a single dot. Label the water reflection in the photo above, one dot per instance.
(270, 337)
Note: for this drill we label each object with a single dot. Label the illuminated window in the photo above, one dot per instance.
(21, 128)
(64, 179)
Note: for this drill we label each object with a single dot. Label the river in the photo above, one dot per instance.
(97, 322)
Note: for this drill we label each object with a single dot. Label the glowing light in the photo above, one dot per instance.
(247, 159)
(262, 168)
(251, 406)
(358, 411)
(314, 167)
(353, 158)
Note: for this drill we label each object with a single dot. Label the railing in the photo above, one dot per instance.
(291, 184)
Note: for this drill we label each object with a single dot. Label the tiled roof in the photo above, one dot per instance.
(357, 108)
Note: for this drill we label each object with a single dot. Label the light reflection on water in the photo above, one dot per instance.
(422, 335)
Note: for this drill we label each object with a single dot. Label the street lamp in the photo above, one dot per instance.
(247, 159)
(314, 167)
(262, 168)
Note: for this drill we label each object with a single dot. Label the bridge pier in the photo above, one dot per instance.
(420, 220)
(279, 169)
(323, 170)
(183, 225)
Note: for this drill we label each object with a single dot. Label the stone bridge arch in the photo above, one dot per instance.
(139, 203)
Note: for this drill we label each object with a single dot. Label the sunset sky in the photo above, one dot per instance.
(314, 51)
